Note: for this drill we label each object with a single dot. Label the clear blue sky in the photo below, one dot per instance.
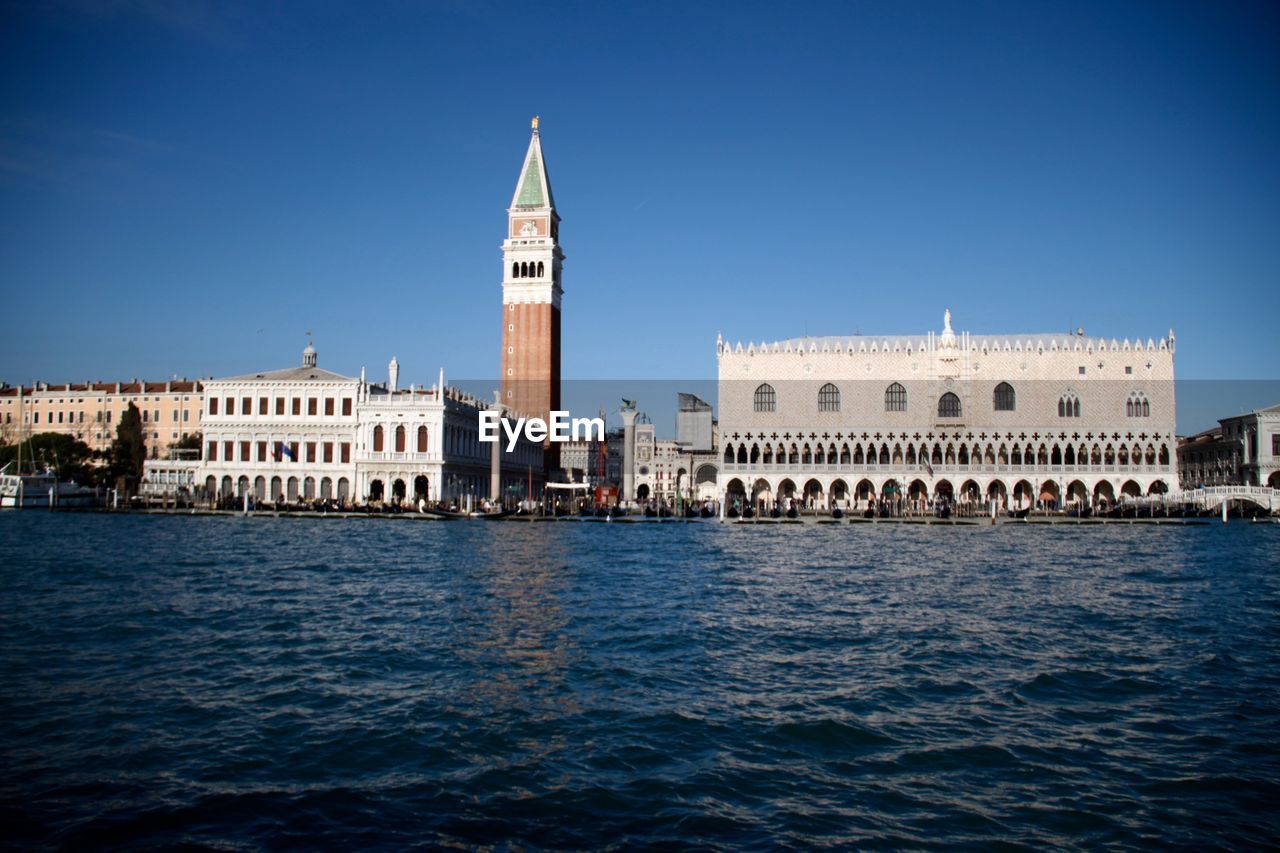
(186, 189)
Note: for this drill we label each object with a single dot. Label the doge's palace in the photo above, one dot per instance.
(1022, 419)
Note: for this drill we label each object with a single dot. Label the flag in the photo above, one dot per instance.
(924, 460)
(282, 450)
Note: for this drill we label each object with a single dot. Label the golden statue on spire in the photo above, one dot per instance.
(534, 123)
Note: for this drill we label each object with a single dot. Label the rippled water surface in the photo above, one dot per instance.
(264, 682)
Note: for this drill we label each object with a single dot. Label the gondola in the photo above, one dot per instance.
(1019, 513)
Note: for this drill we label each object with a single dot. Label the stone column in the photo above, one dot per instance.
(495, 461)
(628, 453)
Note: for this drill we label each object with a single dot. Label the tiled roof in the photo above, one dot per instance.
(184, 386)
(289, 374)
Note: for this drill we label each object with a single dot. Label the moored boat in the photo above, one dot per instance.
(43, 491)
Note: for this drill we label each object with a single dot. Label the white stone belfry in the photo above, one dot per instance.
(393, 375)
(531, 253)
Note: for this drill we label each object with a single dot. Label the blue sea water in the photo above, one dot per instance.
(381, 683)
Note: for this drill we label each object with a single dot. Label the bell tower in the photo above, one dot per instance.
(531, 293)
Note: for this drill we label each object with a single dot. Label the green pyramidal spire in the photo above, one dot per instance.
(531, 187)
(533, 190)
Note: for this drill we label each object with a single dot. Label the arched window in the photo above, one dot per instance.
(728, 454)
(1004, 398)
(515, 270)
(524, 269)
(422, 439)
(1068, 406)
(400, 439)
(377, 439)
(539, 269)
(895, 398)
(1137, 406)
(766, 400)
(948, 406)
(828, 398)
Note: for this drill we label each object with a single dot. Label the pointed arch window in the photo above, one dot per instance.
(1068, 406)
(895, 398)
(766, 399)
(1137, 406)
(948, 406)
(1004, 400)
(828, 398)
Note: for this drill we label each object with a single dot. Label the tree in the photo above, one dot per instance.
(190, 441)
(70, 457)
(128, 451)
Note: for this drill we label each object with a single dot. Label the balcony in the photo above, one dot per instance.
(371, 456)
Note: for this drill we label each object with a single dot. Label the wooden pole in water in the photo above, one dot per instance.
(1224, 510)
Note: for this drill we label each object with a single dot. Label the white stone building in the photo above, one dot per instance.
(417, 443)
(306, 433)
(281, 434)
(1050, 419)
(1243, 450)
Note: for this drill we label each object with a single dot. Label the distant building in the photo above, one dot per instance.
(1029, 418)
(586, 461)
(666, 468)
(1242, 450)
(306, 433)
(419, 443)
(91, 411)
(694, 419)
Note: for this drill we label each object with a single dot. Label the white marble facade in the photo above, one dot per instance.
(305, 433)
(1021, 419)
